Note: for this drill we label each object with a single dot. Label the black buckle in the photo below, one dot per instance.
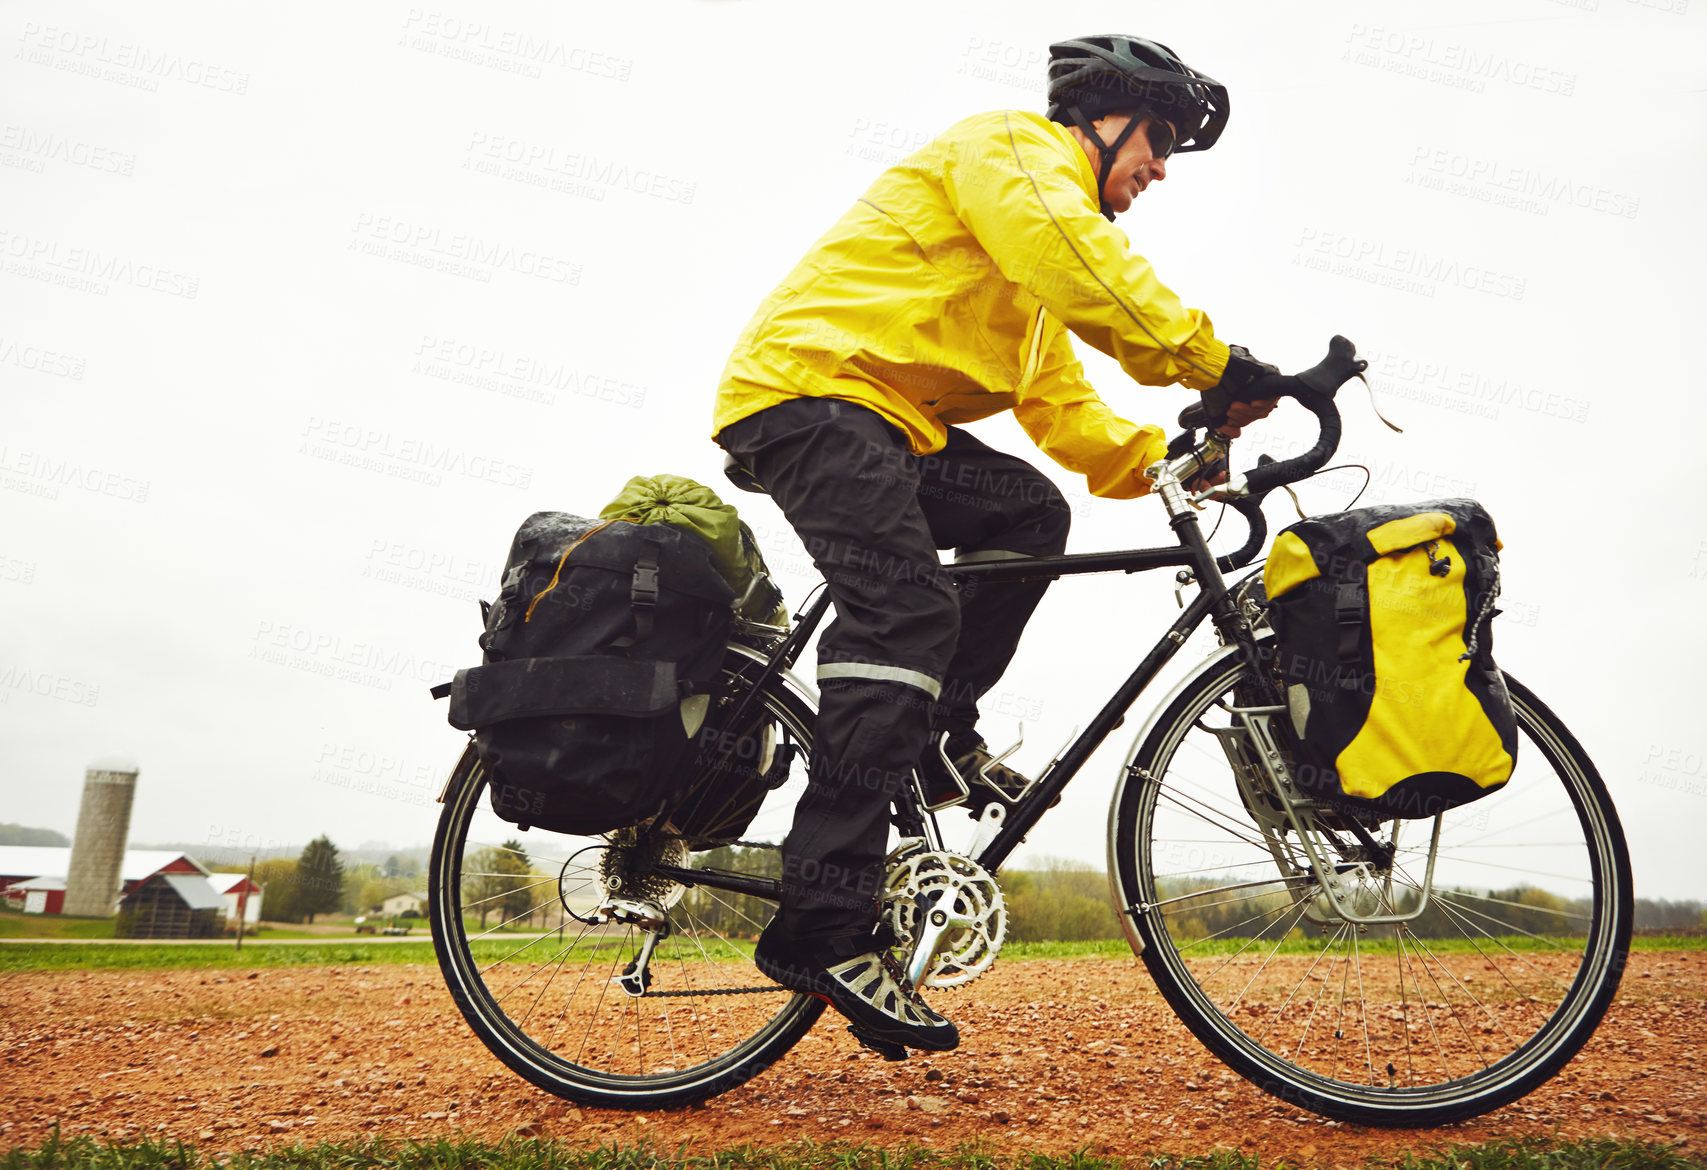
(643, 595)
(644, 591)
(1350, 605)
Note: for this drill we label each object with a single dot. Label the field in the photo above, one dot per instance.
(15, 924)
(1059, 1054)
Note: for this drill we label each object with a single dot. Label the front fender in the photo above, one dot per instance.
(1215, 662)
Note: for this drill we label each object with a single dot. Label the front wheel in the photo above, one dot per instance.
(1469, 1006)
(593, 976)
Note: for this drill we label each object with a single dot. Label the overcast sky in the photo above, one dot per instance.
(303, 310)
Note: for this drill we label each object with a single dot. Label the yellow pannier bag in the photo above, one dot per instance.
(1385, 650)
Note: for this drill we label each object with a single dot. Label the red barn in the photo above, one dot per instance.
(27, 873)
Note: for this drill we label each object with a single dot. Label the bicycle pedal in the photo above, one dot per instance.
(887, 1049)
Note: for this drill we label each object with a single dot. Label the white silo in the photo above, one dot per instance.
(103, 826)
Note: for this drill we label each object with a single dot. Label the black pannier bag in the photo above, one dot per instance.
(1384, 649)
(601, 655)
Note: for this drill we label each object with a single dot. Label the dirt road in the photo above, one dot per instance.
(1056, 1055)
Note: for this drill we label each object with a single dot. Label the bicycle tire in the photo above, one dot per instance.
(706, 1021)
(1434, 1037)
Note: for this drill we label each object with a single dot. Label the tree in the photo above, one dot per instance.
(733, 915)
(520, 902)
(355, 877)
(375, 891)
(1065, 901)
(499, 879)
(11, 834)
(319, 878)
(277, 878)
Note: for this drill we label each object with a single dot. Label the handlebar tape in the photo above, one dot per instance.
(1259, 481)
(1251, 509)
(1315, 389)
(1325, 377)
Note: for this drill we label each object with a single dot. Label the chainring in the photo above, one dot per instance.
(913, 875)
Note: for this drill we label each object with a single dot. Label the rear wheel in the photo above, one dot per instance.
(593, 976)
(1471, 1005)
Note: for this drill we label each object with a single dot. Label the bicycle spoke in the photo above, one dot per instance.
(1363, 1011)
(518, 917)
(544, 965)
(593, 1015)
(1436, 972)
(1310, 1020)
(531, 943)
(1237, 832)
(1426, 953)
(1257, 974)
(715, 897)
(550, 997)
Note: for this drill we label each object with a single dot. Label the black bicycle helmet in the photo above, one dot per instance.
(1099, 75)
(1093, 76)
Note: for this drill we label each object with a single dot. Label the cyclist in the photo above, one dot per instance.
(946, 295)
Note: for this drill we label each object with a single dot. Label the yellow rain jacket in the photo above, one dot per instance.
(945, 295)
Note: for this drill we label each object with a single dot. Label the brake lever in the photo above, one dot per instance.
(1234, 489)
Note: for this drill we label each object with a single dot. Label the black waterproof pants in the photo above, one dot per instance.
(905, 651)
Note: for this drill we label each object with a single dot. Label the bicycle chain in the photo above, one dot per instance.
(709, 991)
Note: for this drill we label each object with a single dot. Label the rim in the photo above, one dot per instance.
(1503, 976)
(538, 975)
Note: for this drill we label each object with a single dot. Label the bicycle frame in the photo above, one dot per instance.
(1212, 601)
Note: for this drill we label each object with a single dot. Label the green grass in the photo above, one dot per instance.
(16, 925)
(535, 1154)
(1117, 948)
(96, 955)
(145, 956)
(213, 955)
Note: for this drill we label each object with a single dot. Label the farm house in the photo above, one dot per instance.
(399, 904)
(242, 897)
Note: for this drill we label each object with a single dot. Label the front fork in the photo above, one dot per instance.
(1329, 880)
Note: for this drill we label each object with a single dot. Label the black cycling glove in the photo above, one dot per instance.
(1244, 380)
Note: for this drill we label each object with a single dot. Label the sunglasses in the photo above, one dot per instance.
(1161, 136)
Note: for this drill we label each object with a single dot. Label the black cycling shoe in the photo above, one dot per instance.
(987, 782)
(863, 980)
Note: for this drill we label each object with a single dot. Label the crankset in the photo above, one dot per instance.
(947, 913)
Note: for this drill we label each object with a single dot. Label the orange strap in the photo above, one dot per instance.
(559, 571)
